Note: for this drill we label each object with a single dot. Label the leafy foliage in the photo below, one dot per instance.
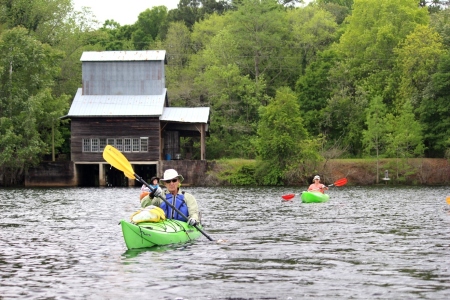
(405, 134)
(418, 57)
(282, 136)
(347, 60)
(28, 110)
(434, 110)
(376, 126)
(237, 171)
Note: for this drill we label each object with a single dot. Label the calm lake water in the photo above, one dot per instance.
(365, 243)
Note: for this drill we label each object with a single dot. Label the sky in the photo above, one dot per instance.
(124, 12)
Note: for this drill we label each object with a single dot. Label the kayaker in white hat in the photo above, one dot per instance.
(183, 201)
(317, 186)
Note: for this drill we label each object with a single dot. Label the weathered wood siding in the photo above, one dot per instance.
(123, 78)
(84, 128)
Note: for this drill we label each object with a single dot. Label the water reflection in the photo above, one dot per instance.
(364, 243)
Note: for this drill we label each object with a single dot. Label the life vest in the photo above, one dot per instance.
(179, 203)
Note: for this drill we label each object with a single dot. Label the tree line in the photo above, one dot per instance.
(287, 84)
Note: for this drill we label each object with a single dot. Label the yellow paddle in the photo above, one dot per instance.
(116, 159)
(448, 200)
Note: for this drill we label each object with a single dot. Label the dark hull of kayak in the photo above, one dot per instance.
(146, 234)
(314, 197)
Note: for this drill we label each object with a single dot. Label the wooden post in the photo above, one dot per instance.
(53, 140)
(101, 175)
(202, 142)
(131, 181)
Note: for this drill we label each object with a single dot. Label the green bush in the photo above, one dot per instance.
(237, 172)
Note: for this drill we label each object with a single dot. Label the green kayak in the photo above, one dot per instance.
(314, 197)
(149, 234)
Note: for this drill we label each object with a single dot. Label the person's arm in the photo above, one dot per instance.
(192, 205)
(147, 201)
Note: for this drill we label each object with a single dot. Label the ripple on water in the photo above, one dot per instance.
(364, 243)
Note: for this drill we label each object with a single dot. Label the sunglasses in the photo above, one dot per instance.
(169, 181)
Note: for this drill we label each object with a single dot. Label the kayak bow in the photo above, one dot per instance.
(314, 197)
(150, 234)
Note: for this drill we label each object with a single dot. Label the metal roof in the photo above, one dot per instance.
(123, 55)
(185, 114)
(117, 105)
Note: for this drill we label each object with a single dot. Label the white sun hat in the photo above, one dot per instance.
(171, 174)
(316, 177)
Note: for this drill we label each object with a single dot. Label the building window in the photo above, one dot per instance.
(127, 145)
(135, 145)
(144, 144)
(95, 145)
(123, 145)
(119, 144)
(102, 144)
(86, 145)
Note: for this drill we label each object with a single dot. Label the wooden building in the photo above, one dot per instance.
(124, 102)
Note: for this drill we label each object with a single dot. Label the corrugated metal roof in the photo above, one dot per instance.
(123, 55)
(117, 105)
(185, 114)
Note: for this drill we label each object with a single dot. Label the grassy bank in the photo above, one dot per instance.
(417, 171)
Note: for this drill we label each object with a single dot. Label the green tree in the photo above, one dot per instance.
(373, 137)
(28, 110)
(344, 115)
(78, 34)
(405, 135)
(179, 78)
(191, 11)
(261, 30)
(313, 30)
(417, 59)
(188, 12)
(234, 98)
(440, 22)
(148, 27)
(434, 110)
(314, 90)
(339, 10)
(116, 37)
(345, 3)
(205, 30)
(373, 31)
(366, 63)
(282, 141)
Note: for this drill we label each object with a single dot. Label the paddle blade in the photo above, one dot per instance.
(448, 200)
(129, 175)
(288, 196)
(116, 159)
(341, 182)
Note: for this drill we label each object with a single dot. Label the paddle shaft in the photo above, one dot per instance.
(139, 178)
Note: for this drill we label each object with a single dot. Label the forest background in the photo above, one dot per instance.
(290, 87)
